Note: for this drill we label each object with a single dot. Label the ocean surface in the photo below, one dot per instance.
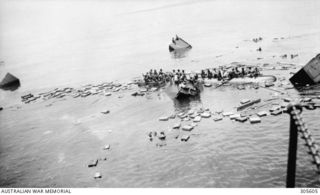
(54, 43)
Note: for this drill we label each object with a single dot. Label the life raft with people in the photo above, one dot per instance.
(240, 80)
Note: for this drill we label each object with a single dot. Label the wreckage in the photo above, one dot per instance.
(308, 75)
(10, 82)
(179, 44)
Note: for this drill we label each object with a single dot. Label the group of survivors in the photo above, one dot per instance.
(180, 77)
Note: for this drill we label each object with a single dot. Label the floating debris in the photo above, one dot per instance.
(234, 116)
(217, 118)
(173, 116)
(106, 147)
(287, 99)
(106, 112)
(164, 118)
(269, 84)
(193, 125)
(197, 119)
(97, 175)
(162, 136)
(241, 119)
(227, 114)
(185, 138)
(276, 112)
(93, 163)
(10, 82)
(308, 75)
(262, 113)
(207, 85)
(248, 104)
(244, 101)
(254, 119)
(176, 126)
(187, 128)
(137, 94)
(206, 115)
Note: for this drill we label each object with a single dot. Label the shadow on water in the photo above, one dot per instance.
(186, 103)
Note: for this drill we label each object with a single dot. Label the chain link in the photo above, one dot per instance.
(295, 111)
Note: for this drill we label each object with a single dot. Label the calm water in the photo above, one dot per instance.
(49, 44)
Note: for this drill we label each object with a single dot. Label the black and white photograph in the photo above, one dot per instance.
(108, 94)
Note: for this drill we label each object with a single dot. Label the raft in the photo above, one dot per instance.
(242, 80)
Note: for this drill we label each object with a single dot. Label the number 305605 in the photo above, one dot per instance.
(309, 191)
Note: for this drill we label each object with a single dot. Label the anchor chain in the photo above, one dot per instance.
(295, 111)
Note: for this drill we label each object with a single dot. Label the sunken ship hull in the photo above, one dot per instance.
(309, 74)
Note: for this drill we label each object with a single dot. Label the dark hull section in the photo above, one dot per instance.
(171, 48)
(301, 78)
(10, 82)
(182, 93)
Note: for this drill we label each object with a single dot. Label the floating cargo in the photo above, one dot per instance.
(227, 113)
(194, 115)
(106, 147)
(207, 84)
(217, 118)
(164, 118)
(276, 112)
(185, 138)
(10, 82)
(179, 44)
(181, 115)
(254, 119)
(197, 119)
(248, 104)
(176, 126)
(187, 128)
(242, 119)
(309, 74)
(262, 113)
(245, 101)
(269, 84)
(287, 99)
(274, 108)
(206, 115)
(173, 116)
(93, 163)
(190, 112)
(162, 136)
(234, 116)
(97, 175)
(193, 124)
